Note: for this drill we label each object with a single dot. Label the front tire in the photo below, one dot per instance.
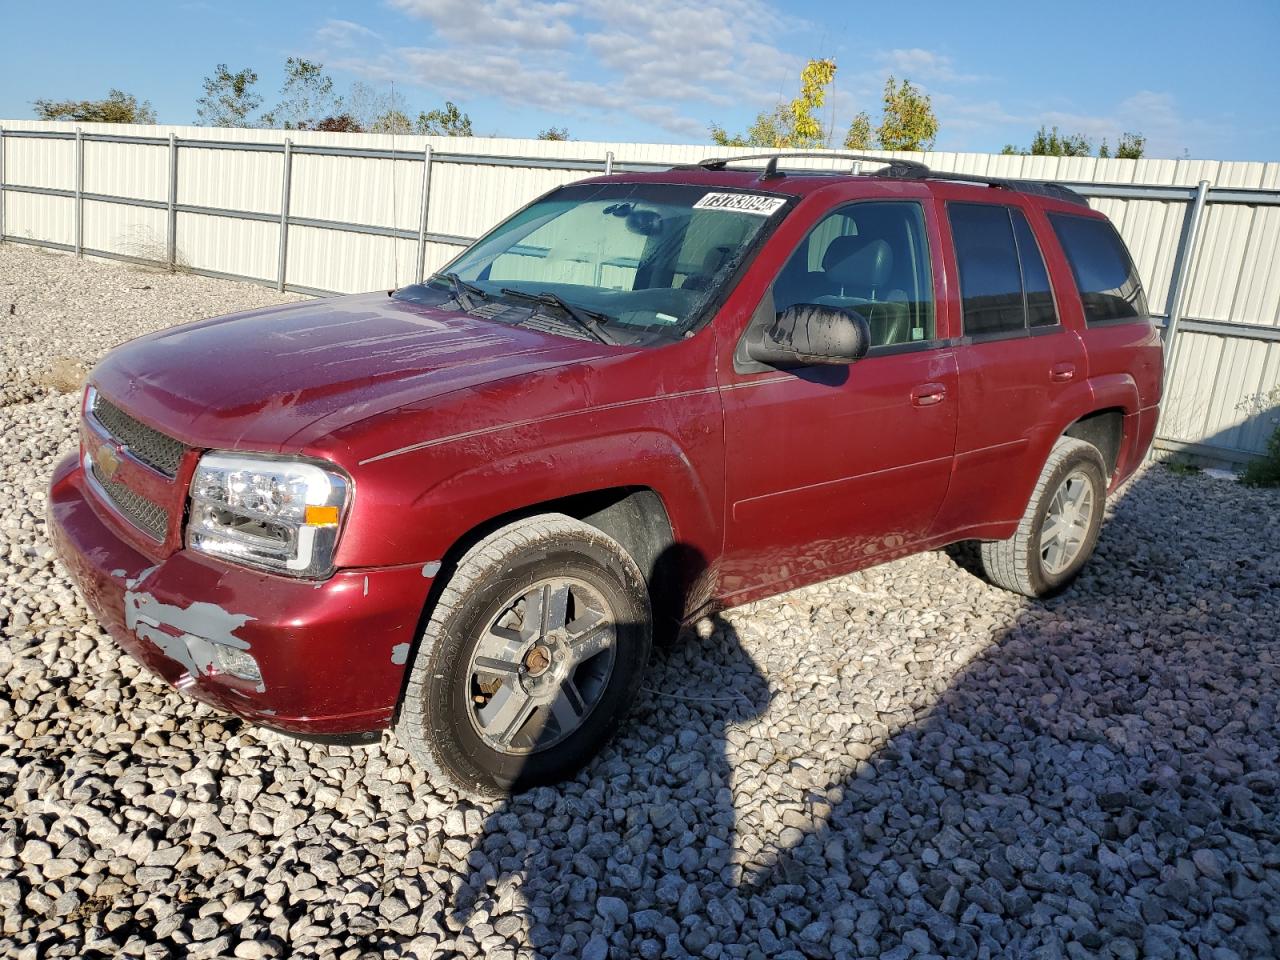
(530, 659)
(1059, 529)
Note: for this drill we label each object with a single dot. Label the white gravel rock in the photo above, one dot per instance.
(903, 762)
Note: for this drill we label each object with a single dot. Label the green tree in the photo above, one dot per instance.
(447, 121)
(229, 98)
(393, 121)
(377, 110)
(554, 133)
(1053, 143)
(1131, 146)
(908, 121)
(118, 107)
(306, 98)
(770, 129)
(859, 136)
(723, 138)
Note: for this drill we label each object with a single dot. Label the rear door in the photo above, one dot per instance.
(1018, 363)
(830, 468)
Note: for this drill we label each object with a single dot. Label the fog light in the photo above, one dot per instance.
(237, 662)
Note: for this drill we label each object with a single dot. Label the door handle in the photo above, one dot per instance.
(1062, 372)
(927, 394)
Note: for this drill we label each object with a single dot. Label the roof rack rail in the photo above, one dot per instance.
(1043, 188)
(906, 169)
(900, 169)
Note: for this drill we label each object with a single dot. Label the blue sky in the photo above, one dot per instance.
(1193, 79)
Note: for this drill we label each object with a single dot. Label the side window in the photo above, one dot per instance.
(1035, 278)
(1105, 275)
(871, 257)
(990, 278)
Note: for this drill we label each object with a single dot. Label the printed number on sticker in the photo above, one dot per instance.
(740, 203)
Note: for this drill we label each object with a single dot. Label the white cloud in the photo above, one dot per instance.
(471, 23)
(506, 77)
(919, 65)
(665, 62)
(1154, 115)
(344, 33)
(985, 125)
(676, 66)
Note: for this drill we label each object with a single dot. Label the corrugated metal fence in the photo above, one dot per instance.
(325, 213)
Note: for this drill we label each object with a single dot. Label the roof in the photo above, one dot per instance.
(715, 171)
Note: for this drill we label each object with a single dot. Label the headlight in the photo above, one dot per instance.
(281, 515)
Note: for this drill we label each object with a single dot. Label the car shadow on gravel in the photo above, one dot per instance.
(647, 832)
(1101, 781)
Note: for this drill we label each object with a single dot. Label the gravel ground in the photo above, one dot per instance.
(900, 763)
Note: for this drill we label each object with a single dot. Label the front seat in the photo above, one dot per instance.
(712, 264)
(859, 270)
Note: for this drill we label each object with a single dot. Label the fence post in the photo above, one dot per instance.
(1182, 265)
(79, 193)
(1, 183)
(424, 206)
(171, 226)
(608, 163)
(285, 182)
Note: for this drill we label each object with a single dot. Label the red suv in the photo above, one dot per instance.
(464, 508)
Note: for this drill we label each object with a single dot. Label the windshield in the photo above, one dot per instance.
(617, 262)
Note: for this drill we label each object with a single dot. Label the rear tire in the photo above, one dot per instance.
(1059, 529)
(530, 659)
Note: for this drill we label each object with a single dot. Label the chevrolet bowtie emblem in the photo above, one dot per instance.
(107, 462)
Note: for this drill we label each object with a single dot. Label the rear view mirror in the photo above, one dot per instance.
(647, 223)
(810, 333)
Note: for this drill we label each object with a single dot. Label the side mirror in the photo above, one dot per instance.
(809, 333)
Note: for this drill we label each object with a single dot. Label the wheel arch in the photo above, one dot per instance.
(636, 516)
(1105, 430)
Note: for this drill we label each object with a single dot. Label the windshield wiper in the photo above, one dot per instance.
(588, 320)
(463, 291)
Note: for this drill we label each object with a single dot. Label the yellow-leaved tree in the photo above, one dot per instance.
(907, 121)
(788, 125)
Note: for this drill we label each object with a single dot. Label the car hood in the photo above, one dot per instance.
(258, 380)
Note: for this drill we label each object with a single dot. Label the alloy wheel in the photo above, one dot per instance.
(1066, 523)
(541, 666)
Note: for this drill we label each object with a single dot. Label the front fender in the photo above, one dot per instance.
(427, 474)
(644, 458)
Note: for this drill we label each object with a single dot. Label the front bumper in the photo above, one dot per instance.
(332, 653)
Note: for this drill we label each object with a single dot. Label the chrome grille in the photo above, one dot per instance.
(152, 447)
(145, 514)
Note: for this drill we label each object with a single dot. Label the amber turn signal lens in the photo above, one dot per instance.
(322, 516)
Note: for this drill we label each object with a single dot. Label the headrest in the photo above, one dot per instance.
(840, 249)
(715, 259)
(858, 261)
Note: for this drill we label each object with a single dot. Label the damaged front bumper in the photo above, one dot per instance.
(329, 656)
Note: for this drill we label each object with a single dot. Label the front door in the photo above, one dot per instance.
(831, 468)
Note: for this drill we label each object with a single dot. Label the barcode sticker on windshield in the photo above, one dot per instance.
(741, 203)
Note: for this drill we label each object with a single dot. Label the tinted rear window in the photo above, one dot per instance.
(990, 280)
(1108, 283)
(1040, 309)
